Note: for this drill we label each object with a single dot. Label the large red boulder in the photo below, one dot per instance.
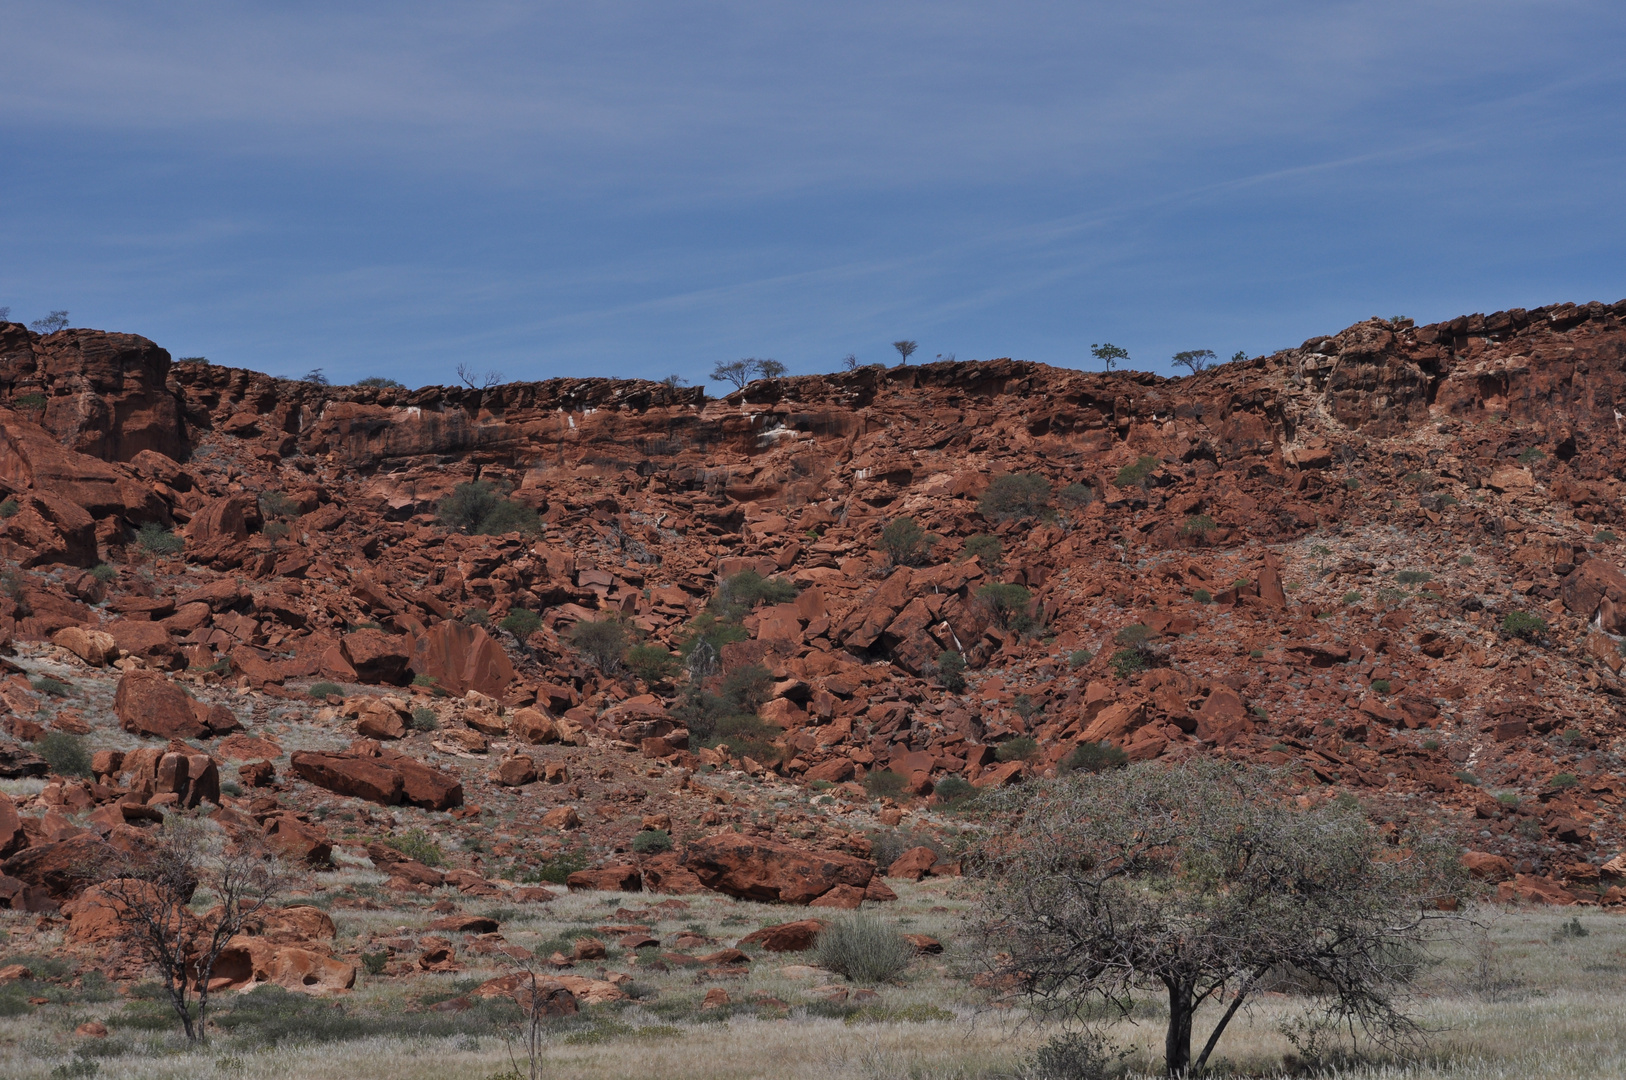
(377, 657)
(422, 785)
(147, 703)
(63, 868)
(752, 868)
(344, 774)
(461, 658)
(798, 936)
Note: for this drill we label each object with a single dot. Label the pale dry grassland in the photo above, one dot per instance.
(1519, 1001)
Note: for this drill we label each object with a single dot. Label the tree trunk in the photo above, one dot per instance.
(1177, 1044)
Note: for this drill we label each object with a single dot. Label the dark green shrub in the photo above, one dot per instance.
(1128, 662)
(479, 507)
(477, 616)
(53, 687)
(1531, 455)
(906, 543)
(276, 504)
(374, 962)
(522, 623)
(1076, 496)
(747, 688)
(884, 784)
(602, 642)
(737, 596)
(1380, 686)
(1198, 525)
(1522, 624)
(653, 664)
(1203, 596)
(154, 539)
(702, 647)
(1093, 757)
(951, 671)
(863, 949)
(1352, 597)
(1021, 748)
(652, 842)
(558, 868)
(1004, 601)
(381, 383)
(29, 401)
(1133, 634)
(10, 508)
(275, 530)
(64, 753)
(424, 719)
(1563, 780)
(324, 689)
(1138, 474)
(1602, 536)
(988, 549)
(418, 844)
(1014, 496)
(1571, 929)
(1079, 657)
(750, 736)
(1413, 577)
(953, 790)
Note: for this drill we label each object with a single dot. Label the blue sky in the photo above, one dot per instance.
(642, 188)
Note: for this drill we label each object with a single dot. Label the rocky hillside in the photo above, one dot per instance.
(1387, 557)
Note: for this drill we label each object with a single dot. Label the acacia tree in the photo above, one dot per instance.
(475, 380)
(1194, 359)
(905, 349)
(51, 323)
(737, 372)
(768, 369)
(153, 893)
(1204, 881)
(1109, 354)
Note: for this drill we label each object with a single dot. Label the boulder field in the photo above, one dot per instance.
(1386, 559)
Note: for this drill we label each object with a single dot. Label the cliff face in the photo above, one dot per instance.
(1311, 557)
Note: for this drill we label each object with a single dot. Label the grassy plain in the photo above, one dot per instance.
(1522, 998)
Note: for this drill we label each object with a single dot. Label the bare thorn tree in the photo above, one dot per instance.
(1194, 359)
(849, 362)
(673, 382)
(153, 893)
(538, 998)
(905, 349)
(1206, 882)
(737, 372)
(52, 322)
(475, 380)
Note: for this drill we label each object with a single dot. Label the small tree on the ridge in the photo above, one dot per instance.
(1109, 354)
(768, 369)
(905, 349)
(737, 372)
(1194, 359)
(51, 323)
(1206, 881)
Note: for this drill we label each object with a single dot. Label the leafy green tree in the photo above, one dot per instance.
(905, 349)
(1109, 355)
(951, 671)
(768, 369)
